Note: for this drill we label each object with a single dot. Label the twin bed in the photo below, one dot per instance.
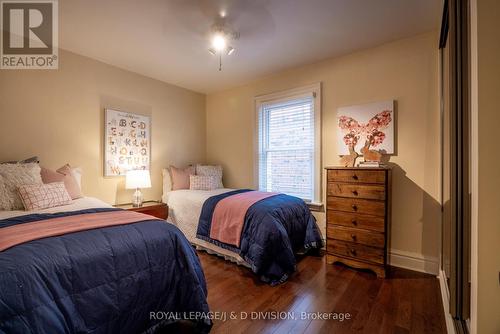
(100, 280)
(275, 228)
(111, 276)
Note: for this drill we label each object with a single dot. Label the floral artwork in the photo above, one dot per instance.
(366, 128)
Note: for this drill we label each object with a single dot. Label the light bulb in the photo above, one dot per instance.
(219, 42)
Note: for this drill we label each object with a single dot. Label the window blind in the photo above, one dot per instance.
(286, 147)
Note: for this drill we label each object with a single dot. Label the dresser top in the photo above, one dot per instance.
(359, 168)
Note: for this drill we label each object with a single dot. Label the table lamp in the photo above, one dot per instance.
(137, 179)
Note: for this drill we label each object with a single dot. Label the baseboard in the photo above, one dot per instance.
(414, 261)
(450, 327)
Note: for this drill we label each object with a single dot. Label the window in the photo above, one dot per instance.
(288, 159)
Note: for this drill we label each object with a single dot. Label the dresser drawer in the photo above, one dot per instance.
(365, 237)
(355, 220)
(355, 251)
(356, 190)
(354, 205)
(356, 176)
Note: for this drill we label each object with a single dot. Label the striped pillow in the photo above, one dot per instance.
(42, 196)
(203, 182)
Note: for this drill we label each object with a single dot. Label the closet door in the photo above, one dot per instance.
(446, 148)
(455, 116)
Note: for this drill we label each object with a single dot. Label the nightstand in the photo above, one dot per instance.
(153, 208)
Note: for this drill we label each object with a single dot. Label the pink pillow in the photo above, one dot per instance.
(180, 177)
(42, 196)
(65, 175)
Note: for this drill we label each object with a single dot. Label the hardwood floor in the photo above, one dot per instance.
(404, 302)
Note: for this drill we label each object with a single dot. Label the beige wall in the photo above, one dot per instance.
(488, 243)
(405, 70)
(58, 115)
(62, 121)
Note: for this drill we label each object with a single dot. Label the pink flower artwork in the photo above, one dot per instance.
(368, 125)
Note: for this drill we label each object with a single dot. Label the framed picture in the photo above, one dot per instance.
(127, 142)
(368, 125)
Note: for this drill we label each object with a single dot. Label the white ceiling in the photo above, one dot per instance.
(168, 39)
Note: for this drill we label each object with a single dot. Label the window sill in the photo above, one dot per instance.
(316, 207)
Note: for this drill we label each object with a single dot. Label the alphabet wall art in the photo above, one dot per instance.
(127, 142)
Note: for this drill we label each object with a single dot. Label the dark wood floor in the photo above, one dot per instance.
(405, 302)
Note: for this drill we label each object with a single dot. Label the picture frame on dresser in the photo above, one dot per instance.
(358, 213)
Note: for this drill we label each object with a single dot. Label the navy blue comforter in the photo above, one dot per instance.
(275, 229)
(123, 279)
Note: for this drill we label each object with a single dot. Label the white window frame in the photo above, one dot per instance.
(315, 91)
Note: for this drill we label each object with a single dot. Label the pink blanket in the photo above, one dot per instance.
(229, 216)
(21, 233)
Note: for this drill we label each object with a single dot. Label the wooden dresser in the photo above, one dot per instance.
(358, 211)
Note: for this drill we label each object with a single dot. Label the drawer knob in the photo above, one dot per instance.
(355, 177)
(353, 251)
(355, 207)
(355, 192)
(354, 222)
(353, 236)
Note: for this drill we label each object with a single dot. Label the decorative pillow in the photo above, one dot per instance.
(15, 175)
(74, 175)
(42, 196)
(77, 173)
(208, 170)
(64, 174)
(3, 195)
(203, 182)
(25, 161)
(180, 177)
(167, 180)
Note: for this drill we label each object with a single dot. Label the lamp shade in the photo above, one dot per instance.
(137, 179)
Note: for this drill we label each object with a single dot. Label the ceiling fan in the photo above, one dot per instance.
(221, 23)
(221, 38)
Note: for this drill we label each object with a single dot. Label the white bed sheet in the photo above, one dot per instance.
(184, 208)
(77, 204)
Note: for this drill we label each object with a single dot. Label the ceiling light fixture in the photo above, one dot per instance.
(219, 42)
(221, 37)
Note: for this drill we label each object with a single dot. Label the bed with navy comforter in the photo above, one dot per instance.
(274, 229)
(103, 280)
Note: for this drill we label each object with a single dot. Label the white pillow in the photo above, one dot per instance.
(15, 175)
(209, 170)
(3, 195)
(77, 174)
